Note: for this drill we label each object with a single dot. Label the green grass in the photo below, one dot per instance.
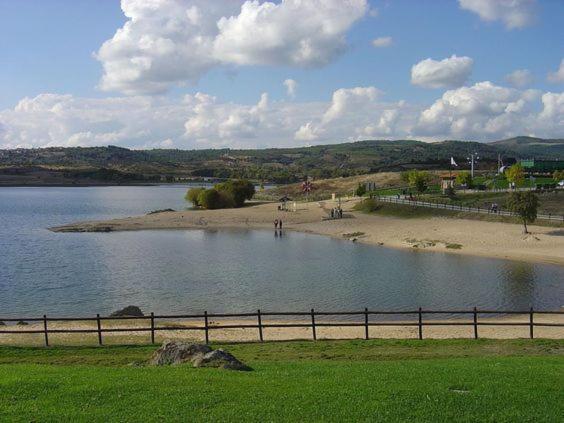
(377, 380)
(413, 212)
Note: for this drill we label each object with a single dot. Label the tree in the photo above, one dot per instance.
(465, 178)
(238, 190)
(210, 199)
(558, 175)
(525, 204)
(418, 179)
(360, 190)
(515, 174)
(192, 196)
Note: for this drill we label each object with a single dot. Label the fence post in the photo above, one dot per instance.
(420, 324)
(152, 327)
(366, 323)
(99, 324)
(531, 324)
(45, 330)
(475, 323)
(313, 325)
(206, 328)
(259, 325)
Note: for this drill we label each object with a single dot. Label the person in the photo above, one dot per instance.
(340, 213)
(276, 224)
(280, 224)
(332, 213)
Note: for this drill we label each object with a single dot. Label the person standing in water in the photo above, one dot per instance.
(280, 224)
(276, 224)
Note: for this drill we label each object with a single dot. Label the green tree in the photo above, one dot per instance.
(418, 179)
(465, 178)
(360, 190)
(210, 199)
(192, 196)
(238, 190)
(525, 204)
(558, 175)
(515, 174)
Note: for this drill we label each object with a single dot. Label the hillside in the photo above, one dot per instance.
(120, 165)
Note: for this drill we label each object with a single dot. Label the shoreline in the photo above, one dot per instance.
(494, 240)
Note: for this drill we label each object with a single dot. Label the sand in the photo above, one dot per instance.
(448, 235)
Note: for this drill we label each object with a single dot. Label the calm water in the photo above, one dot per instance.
(222, 271)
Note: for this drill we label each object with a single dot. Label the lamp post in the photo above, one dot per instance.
(472, 159)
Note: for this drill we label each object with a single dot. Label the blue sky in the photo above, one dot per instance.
(56, 73)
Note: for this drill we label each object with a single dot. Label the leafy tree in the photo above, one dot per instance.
(515, 174)
(558, 175)
(525, 204)
(360, 190)
(210, 199)
(465, 178)
(193, 194)
(238, 190)
(418, 179)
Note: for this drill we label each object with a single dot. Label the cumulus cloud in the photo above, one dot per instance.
(483, 111)
(382, 42)
(291, 87)
(558, 76)
(450, 72)
(168, 42)
(519, 77)
(513, 13)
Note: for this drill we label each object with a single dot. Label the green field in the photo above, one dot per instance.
(377, 380)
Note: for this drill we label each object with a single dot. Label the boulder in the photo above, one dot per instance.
(178, 352)
(220, 358)
(132, 311)
(198, 355)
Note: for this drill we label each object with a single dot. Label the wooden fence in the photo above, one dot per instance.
(455, 207)
(204, 318)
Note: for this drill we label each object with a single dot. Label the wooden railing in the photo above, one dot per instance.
(310, 316)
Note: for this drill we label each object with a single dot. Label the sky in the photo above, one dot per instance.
(245, 74)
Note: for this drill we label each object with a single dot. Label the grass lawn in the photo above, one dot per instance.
(377, 380)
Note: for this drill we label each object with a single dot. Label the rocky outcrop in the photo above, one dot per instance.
(198, 355)
(131, 311)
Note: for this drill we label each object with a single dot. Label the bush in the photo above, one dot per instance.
(210, 199)
(192, 196)
(465, 178)
(236, 192)
(450, 192)
(360, 190)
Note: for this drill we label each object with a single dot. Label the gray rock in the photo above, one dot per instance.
(220, 358)
(128, 311)
(198, 355)
(172, 352)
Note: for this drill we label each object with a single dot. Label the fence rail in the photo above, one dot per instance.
(455, 207)
(311, 315)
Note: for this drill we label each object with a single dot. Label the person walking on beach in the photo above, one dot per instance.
(276, 224)
(280, 224)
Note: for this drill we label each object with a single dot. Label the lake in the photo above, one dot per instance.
(181, 271)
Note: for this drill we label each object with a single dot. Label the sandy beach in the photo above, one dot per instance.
(448, 235)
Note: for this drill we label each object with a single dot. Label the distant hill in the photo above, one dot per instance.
(529, 147)
(121, 165)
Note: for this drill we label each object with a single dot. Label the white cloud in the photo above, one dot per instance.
(382, 42)
(450, 72)
(513, 13)
(293, 32)
(519, 77)
(483, 111)
(557, 76)
(291, 87)
(170, 42)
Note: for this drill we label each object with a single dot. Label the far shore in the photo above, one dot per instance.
(438, 234)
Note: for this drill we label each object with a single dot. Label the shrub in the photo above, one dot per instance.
(464, 178)
(360, 190)
(210, 199)
(192, 196)
(236, 192)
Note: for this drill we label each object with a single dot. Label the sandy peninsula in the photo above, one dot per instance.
(453, 236)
